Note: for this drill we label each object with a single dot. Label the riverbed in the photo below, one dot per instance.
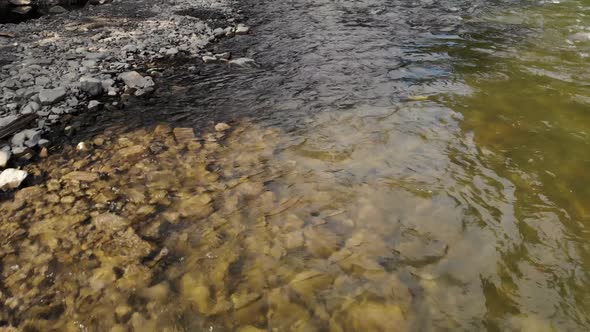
(385, 166)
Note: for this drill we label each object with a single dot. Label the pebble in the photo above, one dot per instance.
(57, 10)
(243, 62)
(4, 158)
(222, 126)
(94, 105)
(11, 178)
(242, 29)
(91, 85)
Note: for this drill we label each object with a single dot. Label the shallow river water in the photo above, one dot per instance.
(391, 166)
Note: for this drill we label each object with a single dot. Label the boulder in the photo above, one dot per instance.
(11, 178)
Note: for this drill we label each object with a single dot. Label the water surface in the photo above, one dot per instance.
(392, 165)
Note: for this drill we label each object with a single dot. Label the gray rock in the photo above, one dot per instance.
(209, 59)
(242, 29)
(91, 85)
(11, 178)
(133, 79)
(172, 51)
(223, 56)
(243, 62)
(51, 96)
(20, 2)
(28, 137)
(31, 107)
(4, 158)
(43, 143)
(218, 33)
(129, 48)
(18, 139)
(34, 136)
(94, 105)
(42, 81)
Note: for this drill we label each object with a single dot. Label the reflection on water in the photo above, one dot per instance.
(409, 167)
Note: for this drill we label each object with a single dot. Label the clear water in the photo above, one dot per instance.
(392, 165)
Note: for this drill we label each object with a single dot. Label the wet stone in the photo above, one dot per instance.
(81, 176)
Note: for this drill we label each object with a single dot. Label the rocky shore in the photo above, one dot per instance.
(94, 59)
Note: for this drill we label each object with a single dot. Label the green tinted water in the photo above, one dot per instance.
(463, 205)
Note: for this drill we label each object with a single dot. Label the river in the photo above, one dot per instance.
(392, 165)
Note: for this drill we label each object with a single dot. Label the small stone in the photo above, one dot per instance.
(57, 10)
(82, 146)
(51, 96)
(44, 153)
(42, 81)
(11, 178)
(219, 32)
(43, 143)
(132, 151)
(22, 10)
(222, 126)
(94, 105)
(91, 85)
(243, 62)
(31, 107)
(209, 59)
(133, 79)
(4, 158)
(184, 135)
(172, 51)
(223, 56)
(20, 2)
(242, 29)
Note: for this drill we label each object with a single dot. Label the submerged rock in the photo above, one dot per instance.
(222, 126)
(11, 178)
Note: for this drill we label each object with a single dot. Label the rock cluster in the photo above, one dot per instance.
(65, 64)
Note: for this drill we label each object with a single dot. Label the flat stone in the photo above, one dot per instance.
(133, 79)
(31, 107)
(42, 81)
(81, 176)
(184, 135)
(51, 96)
(242, 29)
(243, 62)
(11, 178)
(20, 2)
(91, 85)
(110, 222)
(209, 59)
